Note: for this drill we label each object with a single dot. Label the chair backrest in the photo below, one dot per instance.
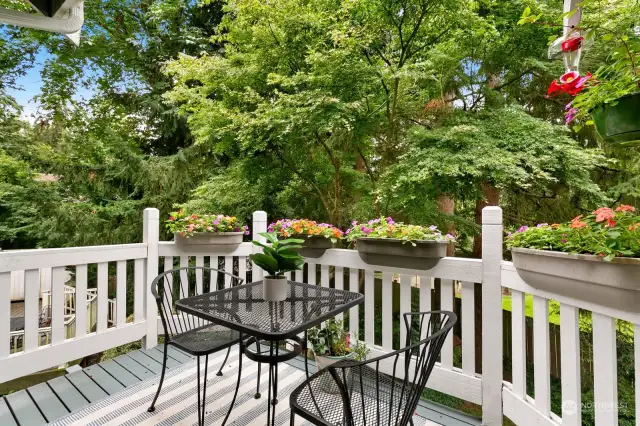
(179, 283)
(410, 368)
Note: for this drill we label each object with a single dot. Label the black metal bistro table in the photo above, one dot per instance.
(269, 324)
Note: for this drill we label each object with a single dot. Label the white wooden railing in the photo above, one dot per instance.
(342, 269)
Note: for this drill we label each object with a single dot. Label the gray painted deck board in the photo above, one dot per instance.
(67, 393)
(87, 387)
(104, 379)
(179, 356)
(25, 409)
(147, 362)
(48, 402)
(119, 373)
(158, 355)
(134, 367)
(6, 418)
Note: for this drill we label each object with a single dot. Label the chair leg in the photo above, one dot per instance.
(219, 373)
(204, 388)
(258, 395)
(292, 422)
(152, 408)
(200, 422)
(233, 401)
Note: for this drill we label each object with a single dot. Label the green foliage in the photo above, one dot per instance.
(605, 233)
(333, 340)
(385, 227)
(187, 223)
(280, 257)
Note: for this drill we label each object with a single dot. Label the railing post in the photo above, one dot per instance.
(491, 316)
(259, 225)
(150, 235)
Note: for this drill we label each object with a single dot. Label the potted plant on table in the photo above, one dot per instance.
(332, 344)
(595, 258)
(206, 229)
(279, 257)
(388, 243)
(318, 237)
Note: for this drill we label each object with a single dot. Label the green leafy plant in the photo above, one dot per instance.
(186, 224)
(279, 257)
(334, 340)
(606, 232)
(385, 227)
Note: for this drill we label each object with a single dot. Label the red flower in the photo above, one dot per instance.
(625, 208)
(611, 223)
(604, 213)
(570, 83)
(171, 219)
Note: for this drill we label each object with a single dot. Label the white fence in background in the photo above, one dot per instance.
(342, 269)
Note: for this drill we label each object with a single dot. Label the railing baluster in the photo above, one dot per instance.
(138, 290)
(103, 294)
(354, 314)
(168, 281)
(387, 310)
(184, 279)
(446, 304)
(228, 267)
(605, 374)
(468, 329)
(369, 307)
(570, 365)
(312, 274)
(81, 301)
(338, 274)
(5, 314)
(542, 374)
(121, 293)
(242, 268)
(324, 276)
(57, 304)
(425, 299)
(519, 344)
(405, 304)
(31, 311)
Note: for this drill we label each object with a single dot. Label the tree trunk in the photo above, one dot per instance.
(446, 205)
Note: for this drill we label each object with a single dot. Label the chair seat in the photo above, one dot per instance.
(206, 339)
(319, 399)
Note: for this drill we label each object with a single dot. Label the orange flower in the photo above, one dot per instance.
(604, 213)
(577, 223)
(298, 229)
(625, 208)
(555, 225)
(634, 226)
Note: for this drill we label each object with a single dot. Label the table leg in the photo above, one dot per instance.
(235, 394)
(269, 402)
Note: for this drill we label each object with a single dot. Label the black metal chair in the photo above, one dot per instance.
(354, 393)
(193, 335)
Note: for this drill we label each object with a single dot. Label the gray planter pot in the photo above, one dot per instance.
(614, 284)
(397, 253)
(210, 238)
(314, 246)
(274, 289)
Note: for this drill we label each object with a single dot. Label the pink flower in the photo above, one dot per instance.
(604, 213)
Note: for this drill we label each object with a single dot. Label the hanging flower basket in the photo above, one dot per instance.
(205, 229)
(620, 122)
(318, 237)
(387, 243)
(614, 283)
(595, 258)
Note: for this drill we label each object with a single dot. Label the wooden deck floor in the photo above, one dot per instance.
(118, 392)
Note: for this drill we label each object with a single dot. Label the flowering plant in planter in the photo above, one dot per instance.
(607, 233)
(289, 227)
(334, 341)
(187, 224)
(386, 227)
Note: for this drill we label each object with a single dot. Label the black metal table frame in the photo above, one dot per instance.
(273, 338)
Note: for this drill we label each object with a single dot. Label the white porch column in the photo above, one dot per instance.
(491, 316)
(151, 235)
(259, 225)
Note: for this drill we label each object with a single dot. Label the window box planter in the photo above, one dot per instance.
(401, 254)
(589, 278)
(210, 238)
(619, 123)
(314, 246)
(328, 383)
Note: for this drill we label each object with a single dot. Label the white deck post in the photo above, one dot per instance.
(491, 316)
(151, 235)
(259, 225)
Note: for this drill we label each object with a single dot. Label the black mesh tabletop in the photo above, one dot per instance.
(242, 308)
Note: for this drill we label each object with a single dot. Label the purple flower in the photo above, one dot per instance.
(372, 221)
(433, 228)
(508, 234)
(366, 230)
(523, 228)
(540, 225)
(570, 115)
(236, 229)
(217, 221)
(354, 222)
(451, 237)
(564, 241)
(390, 221)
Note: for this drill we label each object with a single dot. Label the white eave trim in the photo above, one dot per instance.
(70, 24)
